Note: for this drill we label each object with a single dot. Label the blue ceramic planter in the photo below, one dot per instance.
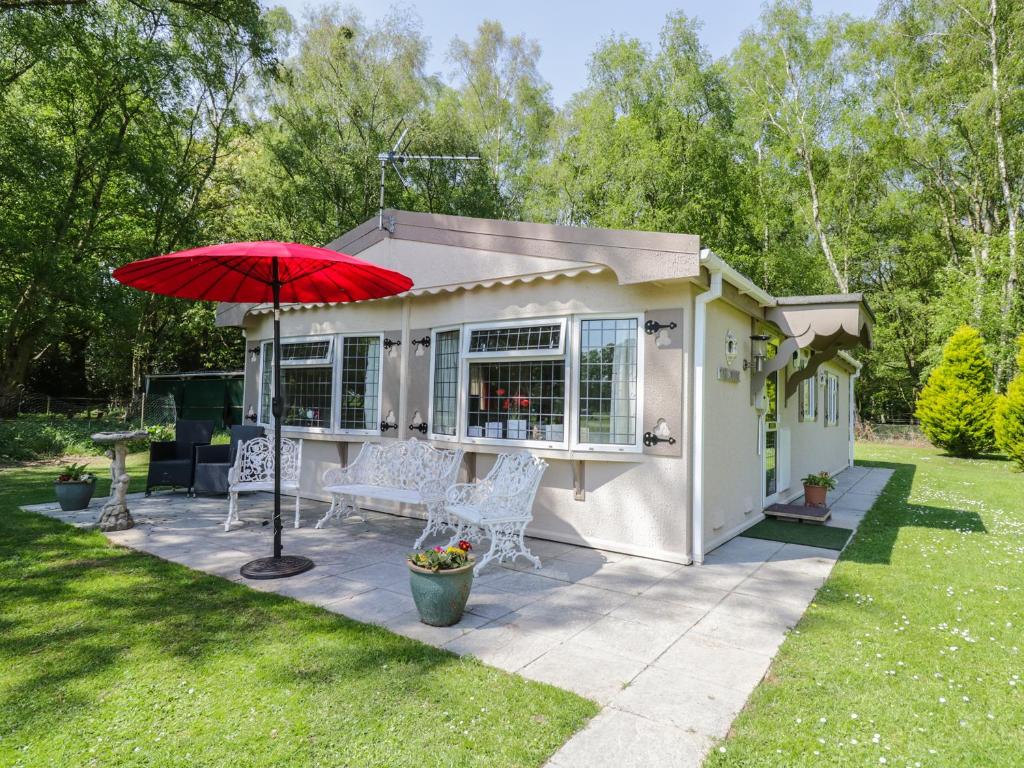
(73, 496)
(441, 596)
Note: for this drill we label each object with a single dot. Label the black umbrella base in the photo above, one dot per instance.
(276, 567)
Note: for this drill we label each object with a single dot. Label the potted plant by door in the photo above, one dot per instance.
(816, 488)
(74, 487)
(440, 580)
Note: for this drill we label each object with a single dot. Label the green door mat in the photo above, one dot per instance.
(823, 536)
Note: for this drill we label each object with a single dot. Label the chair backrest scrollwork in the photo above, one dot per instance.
(255, 461)
(408, 464)
(514, 480)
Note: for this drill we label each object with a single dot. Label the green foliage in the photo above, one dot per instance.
(957, 403)
(883, 642)
(160, 432)
(29, 438)
(825, 152)
(74, 473)
(820, 479)
(114, 657)
(1009, 417)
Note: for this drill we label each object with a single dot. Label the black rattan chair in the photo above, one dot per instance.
(171, 462)
(214, 461)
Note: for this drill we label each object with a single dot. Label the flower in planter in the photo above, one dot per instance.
(442, 558)
(75, 473)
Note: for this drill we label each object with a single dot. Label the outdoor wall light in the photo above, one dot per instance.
(251, 415)
(390, 422)
(418, 423)
(421, 345)
(821, 378)
(254, 355)
(758, 352)
(660, 434)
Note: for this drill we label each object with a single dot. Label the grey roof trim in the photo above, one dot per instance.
(635, 257)
(828, 298)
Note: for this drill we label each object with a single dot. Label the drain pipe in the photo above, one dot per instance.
(853, 409)
(697, 445)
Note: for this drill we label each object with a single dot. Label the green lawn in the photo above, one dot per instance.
(911, 654)
(114, 658)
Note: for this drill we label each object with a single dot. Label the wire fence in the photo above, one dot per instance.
(143, 411)
(896, 431)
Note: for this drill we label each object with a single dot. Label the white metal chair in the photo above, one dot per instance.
(253, 470)
(499, 507)
(407, 472)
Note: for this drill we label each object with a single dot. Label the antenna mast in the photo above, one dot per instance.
(398, 155)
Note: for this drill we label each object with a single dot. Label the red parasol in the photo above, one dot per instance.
(266, 271)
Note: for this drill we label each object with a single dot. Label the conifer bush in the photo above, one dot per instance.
(1009, 421)
(956, 406)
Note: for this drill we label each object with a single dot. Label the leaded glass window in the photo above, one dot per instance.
(807, 400)
(608, 381)
(831, 400)
(446, 383)
(519, 338)
(305, 387)
(517, 400)
(307, 396)
(360, 383)
(318, 351)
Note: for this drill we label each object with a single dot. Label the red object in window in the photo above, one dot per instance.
(499, 392)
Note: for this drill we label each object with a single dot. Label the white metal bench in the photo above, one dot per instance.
(253, 470)
(408, 472)
(498, 508)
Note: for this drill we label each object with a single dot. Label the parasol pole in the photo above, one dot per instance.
(277, 407)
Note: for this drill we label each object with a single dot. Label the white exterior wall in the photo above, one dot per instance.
(734, 480)
(732, 465)
(814, 446)
(633, 502)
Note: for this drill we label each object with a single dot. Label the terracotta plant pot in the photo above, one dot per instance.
(815, 495)
(73, 495)
(441, 596)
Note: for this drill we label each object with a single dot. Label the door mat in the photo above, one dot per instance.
(823, 536)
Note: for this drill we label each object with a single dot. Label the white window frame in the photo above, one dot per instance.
(460, 396)
(576, 348)
(469, 328)
(306, 363)
(808, 387)
(831, 399)
(336, 421)
(467, 357)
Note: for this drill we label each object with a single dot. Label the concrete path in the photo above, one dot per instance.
(671, 652)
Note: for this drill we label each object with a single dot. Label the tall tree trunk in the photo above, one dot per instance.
(826, 248)
(1010, 288)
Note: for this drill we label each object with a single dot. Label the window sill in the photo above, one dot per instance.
(558, 454)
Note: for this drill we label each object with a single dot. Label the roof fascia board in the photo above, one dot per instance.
(635, 257)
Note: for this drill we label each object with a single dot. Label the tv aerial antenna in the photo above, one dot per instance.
(397, 157)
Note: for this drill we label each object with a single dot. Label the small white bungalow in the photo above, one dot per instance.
(673, 398)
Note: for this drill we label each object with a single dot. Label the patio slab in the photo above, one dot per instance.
(672, 652)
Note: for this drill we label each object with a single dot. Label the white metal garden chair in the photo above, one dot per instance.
(498, 508)
(253, 470)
